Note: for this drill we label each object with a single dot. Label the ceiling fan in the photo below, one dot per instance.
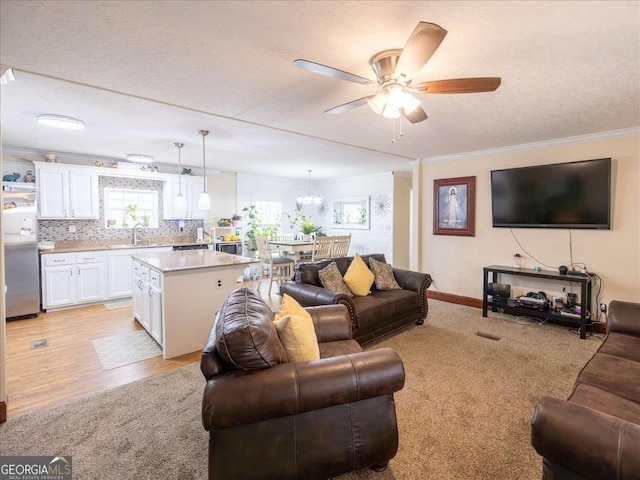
(394, 70)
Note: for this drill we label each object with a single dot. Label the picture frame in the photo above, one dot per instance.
(454, 206)
(351, 213)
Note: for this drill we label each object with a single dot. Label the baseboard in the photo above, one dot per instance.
(3, 412)
(458, 299)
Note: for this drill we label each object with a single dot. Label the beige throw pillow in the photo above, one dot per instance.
(296, 332)
(358, 277)
(384, 275)
(331, 279)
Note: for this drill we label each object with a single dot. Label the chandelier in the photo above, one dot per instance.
(309, 198)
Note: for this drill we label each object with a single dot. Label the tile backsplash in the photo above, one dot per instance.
(56, 230)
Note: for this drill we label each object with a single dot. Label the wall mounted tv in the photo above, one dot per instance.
(561, 195)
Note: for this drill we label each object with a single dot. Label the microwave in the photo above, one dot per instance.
(234, 248)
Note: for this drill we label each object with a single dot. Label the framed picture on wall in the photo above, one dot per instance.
(454, 206)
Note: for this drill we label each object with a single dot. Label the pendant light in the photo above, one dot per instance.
(308, 198)
(179, 202)
(204, 202)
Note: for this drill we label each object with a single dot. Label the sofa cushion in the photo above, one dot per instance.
(246, 337)
(308, 272)
(383, 273)
(606, 402)
(622, 345)
(403, 301)
(331, 279)
(296, 331)
(371, 309)
(613, 374)
(358, 277)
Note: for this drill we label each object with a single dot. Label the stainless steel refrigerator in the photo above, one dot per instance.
(21, 260)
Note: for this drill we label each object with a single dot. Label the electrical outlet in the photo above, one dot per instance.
(219, 284)
(603, 307)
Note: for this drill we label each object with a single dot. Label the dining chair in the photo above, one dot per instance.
(341, 245)
(322, 248)
(278, 269)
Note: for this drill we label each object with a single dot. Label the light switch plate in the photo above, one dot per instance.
(72, 229)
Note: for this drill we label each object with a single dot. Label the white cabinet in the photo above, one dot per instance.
(70, 279)
(119, 265)
(191, 188)
(58, 286)
(147, 300)
(67, 192)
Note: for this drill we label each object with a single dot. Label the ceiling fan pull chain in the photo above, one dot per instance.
(393, 136)
(400, 124)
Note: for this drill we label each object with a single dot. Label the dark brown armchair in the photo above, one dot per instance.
(300, 420)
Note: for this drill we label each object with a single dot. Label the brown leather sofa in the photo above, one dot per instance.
(595, 434)
(306, 420)
(379, 313)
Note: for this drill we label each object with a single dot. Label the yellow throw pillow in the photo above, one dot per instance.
(358, 277)
(298, 337)
(289, 306)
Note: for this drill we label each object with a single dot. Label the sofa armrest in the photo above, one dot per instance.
(409, 280)
(624, 317)
(590, 443)
(237, 398)
(417, 282)
(331, 323)
(312, 296)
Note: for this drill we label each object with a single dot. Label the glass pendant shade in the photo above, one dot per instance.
(204, 202)
(179, 203)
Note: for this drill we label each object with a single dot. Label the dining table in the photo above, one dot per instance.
(292, 247)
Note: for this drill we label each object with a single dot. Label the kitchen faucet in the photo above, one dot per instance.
(135, 232)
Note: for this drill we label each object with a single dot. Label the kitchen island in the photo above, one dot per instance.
(176, 294)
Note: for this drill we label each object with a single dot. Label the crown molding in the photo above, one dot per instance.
(557, 142)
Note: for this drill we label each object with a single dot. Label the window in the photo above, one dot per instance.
(123, 208)
(269, 213)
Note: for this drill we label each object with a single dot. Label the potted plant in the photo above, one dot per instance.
(253, 225)
(308, 227)
(235, 219)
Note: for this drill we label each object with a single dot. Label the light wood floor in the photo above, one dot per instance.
(68, 368)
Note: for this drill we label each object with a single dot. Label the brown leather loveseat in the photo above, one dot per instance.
(595, 434)
(374, 315)
(271, 419)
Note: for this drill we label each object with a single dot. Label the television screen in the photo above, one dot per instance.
(561, 195)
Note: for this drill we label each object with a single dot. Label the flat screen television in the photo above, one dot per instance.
(560, 195)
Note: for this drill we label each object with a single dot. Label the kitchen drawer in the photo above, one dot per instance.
(144, 273)
(136, 269)
(89, 257)
(154, 278)
(59, 259)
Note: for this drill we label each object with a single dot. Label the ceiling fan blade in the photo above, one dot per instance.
(422, 43)
(416, 116)
(348, 106)
(332, 72)
(459, 85)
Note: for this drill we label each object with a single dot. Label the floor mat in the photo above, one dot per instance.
(118, 304)
(125, 348)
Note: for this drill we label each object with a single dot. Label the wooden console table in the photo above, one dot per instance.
(583, 279)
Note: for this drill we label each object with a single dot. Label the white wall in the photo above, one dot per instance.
(379, 238)
(456, 262)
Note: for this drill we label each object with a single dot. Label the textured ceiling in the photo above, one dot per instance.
(567, 68)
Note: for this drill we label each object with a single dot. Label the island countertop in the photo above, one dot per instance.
(190, 259)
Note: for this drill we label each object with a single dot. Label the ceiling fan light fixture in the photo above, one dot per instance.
(378, 102)
(409, 102)
(390, 112)
(60, 121)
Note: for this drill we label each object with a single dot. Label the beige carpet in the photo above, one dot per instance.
(464, 412)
